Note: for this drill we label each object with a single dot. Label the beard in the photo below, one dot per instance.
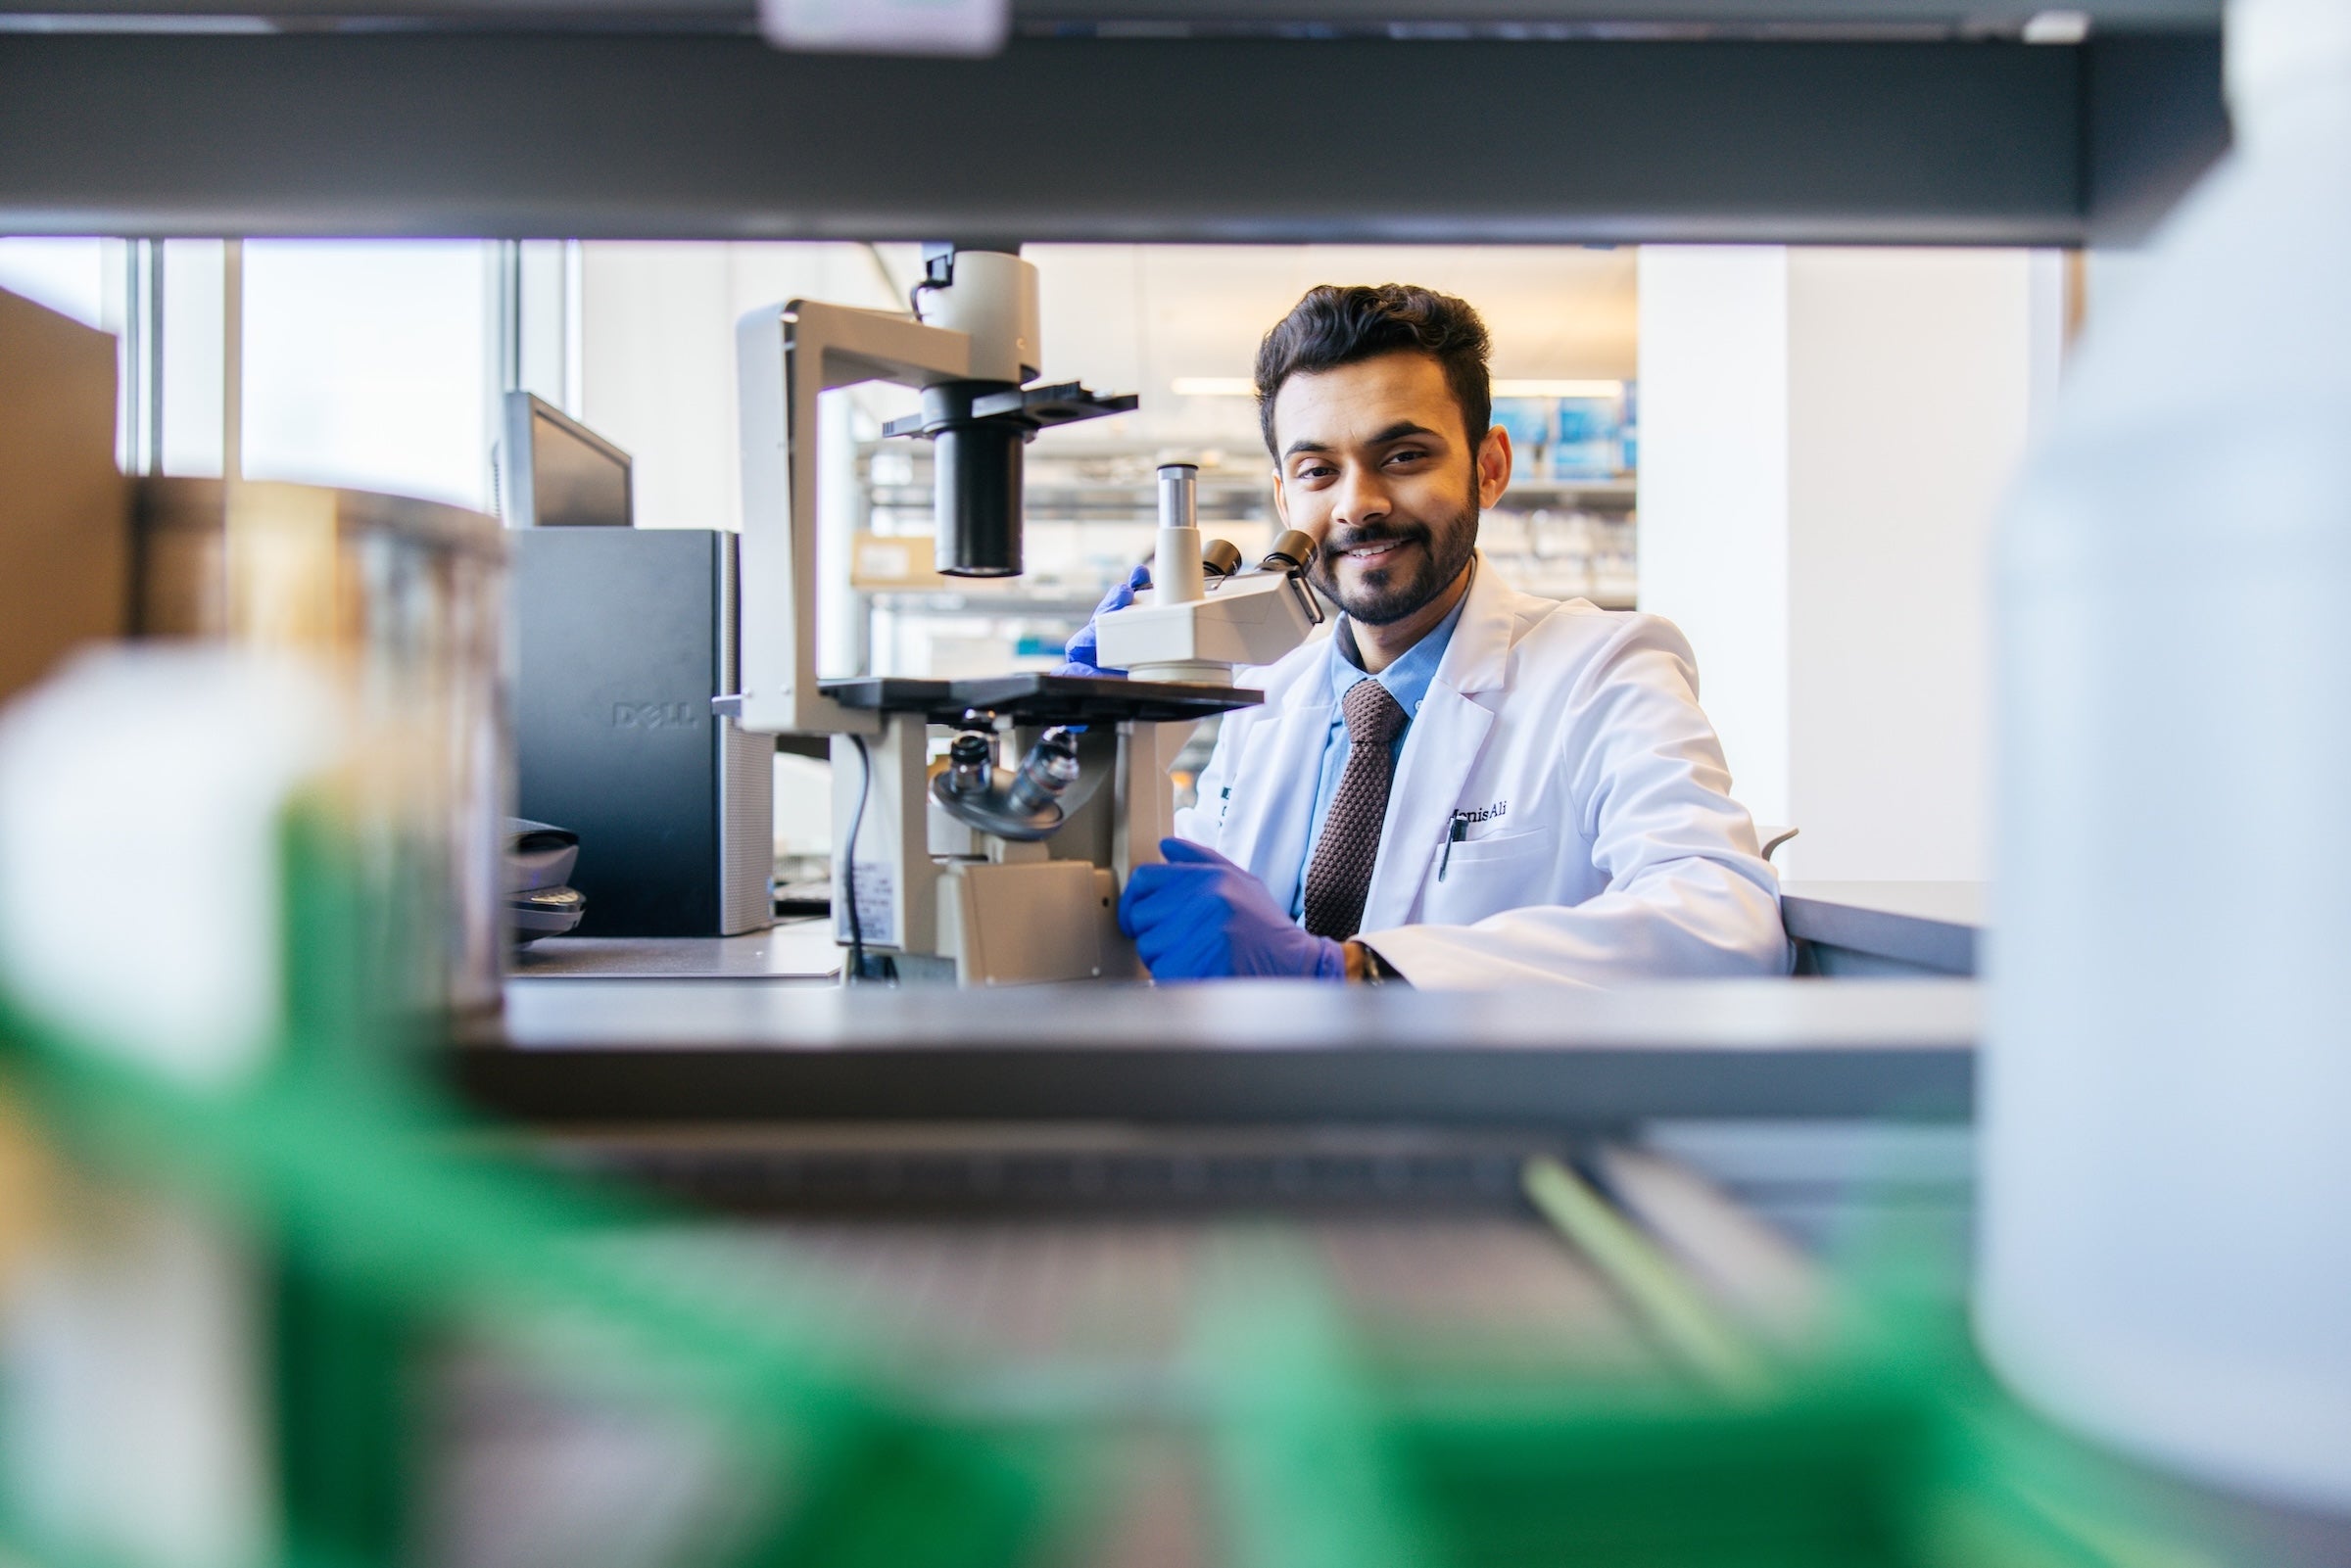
(1386, 594)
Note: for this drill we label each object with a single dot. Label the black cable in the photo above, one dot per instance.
(848, 860)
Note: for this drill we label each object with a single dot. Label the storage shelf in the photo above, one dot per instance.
(918, 601)
(1086, 504)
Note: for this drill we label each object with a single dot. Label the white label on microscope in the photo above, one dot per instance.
(877, 906)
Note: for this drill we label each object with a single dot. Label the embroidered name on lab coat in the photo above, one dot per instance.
(1459, 831)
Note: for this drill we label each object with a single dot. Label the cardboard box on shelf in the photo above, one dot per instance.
(64, 520)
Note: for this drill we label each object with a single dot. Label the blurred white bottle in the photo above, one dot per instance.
(142, 790)
(2166, 1108)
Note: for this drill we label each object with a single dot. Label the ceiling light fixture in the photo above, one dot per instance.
(2056, 27)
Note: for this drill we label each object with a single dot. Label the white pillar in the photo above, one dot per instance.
(657, 376)
(1825, 435)
(1713, 344)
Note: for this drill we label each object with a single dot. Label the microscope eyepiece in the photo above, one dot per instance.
(1220, 557)
(1293, 551)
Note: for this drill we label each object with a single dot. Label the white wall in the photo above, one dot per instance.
(1845, 658)
(657, 325)
(1713, 336)
(657, 354)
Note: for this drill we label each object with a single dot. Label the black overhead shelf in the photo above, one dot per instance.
(1895, 121)
(1914, 20)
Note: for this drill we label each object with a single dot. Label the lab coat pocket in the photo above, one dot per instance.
(1481, 877)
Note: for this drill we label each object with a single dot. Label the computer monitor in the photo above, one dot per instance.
(556, 473)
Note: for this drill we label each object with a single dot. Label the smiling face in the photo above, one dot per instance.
(1376, 466)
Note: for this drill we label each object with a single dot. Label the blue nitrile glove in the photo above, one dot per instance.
(1081, 649)
(1199, 917)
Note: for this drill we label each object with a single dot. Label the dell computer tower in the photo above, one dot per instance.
(624, 635)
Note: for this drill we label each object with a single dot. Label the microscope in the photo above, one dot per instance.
(999, 861)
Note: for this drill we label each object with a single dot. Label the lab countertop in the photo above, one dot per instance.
(754, 1027)
(1932, 927)
(800, 949)
(588, 1050)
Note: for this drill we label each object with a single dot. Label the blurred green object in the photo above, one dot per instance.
(1692, 1331)
(389, 1224)
(1902, 1456)
(386, 1224)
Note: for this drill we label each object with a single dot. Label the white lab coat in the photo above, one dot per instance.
(1602, 843)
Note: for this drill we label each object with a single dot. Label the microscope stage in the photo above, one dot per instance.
(1043, 699)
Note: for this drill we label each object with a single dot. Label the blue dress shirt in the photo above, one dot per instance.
(1406, 681)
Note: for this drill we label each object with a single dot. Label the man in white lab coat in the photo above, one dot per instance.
(1464, 785)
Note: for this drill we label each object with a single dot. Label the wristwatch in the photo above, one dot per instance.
(1366, 965)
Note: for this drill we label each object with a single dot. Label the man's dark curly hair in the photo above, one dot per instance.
(1332, 326)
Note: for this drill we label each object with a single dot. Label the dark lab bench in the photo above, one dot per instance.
(584, 1051)
(715, 1078)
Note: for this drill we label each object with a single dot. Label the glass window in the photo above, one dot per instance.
(192, 370)
(366, 363)
(67, 277)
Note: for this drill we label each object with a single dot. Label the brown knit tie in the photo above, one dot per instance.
(1340, 874)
